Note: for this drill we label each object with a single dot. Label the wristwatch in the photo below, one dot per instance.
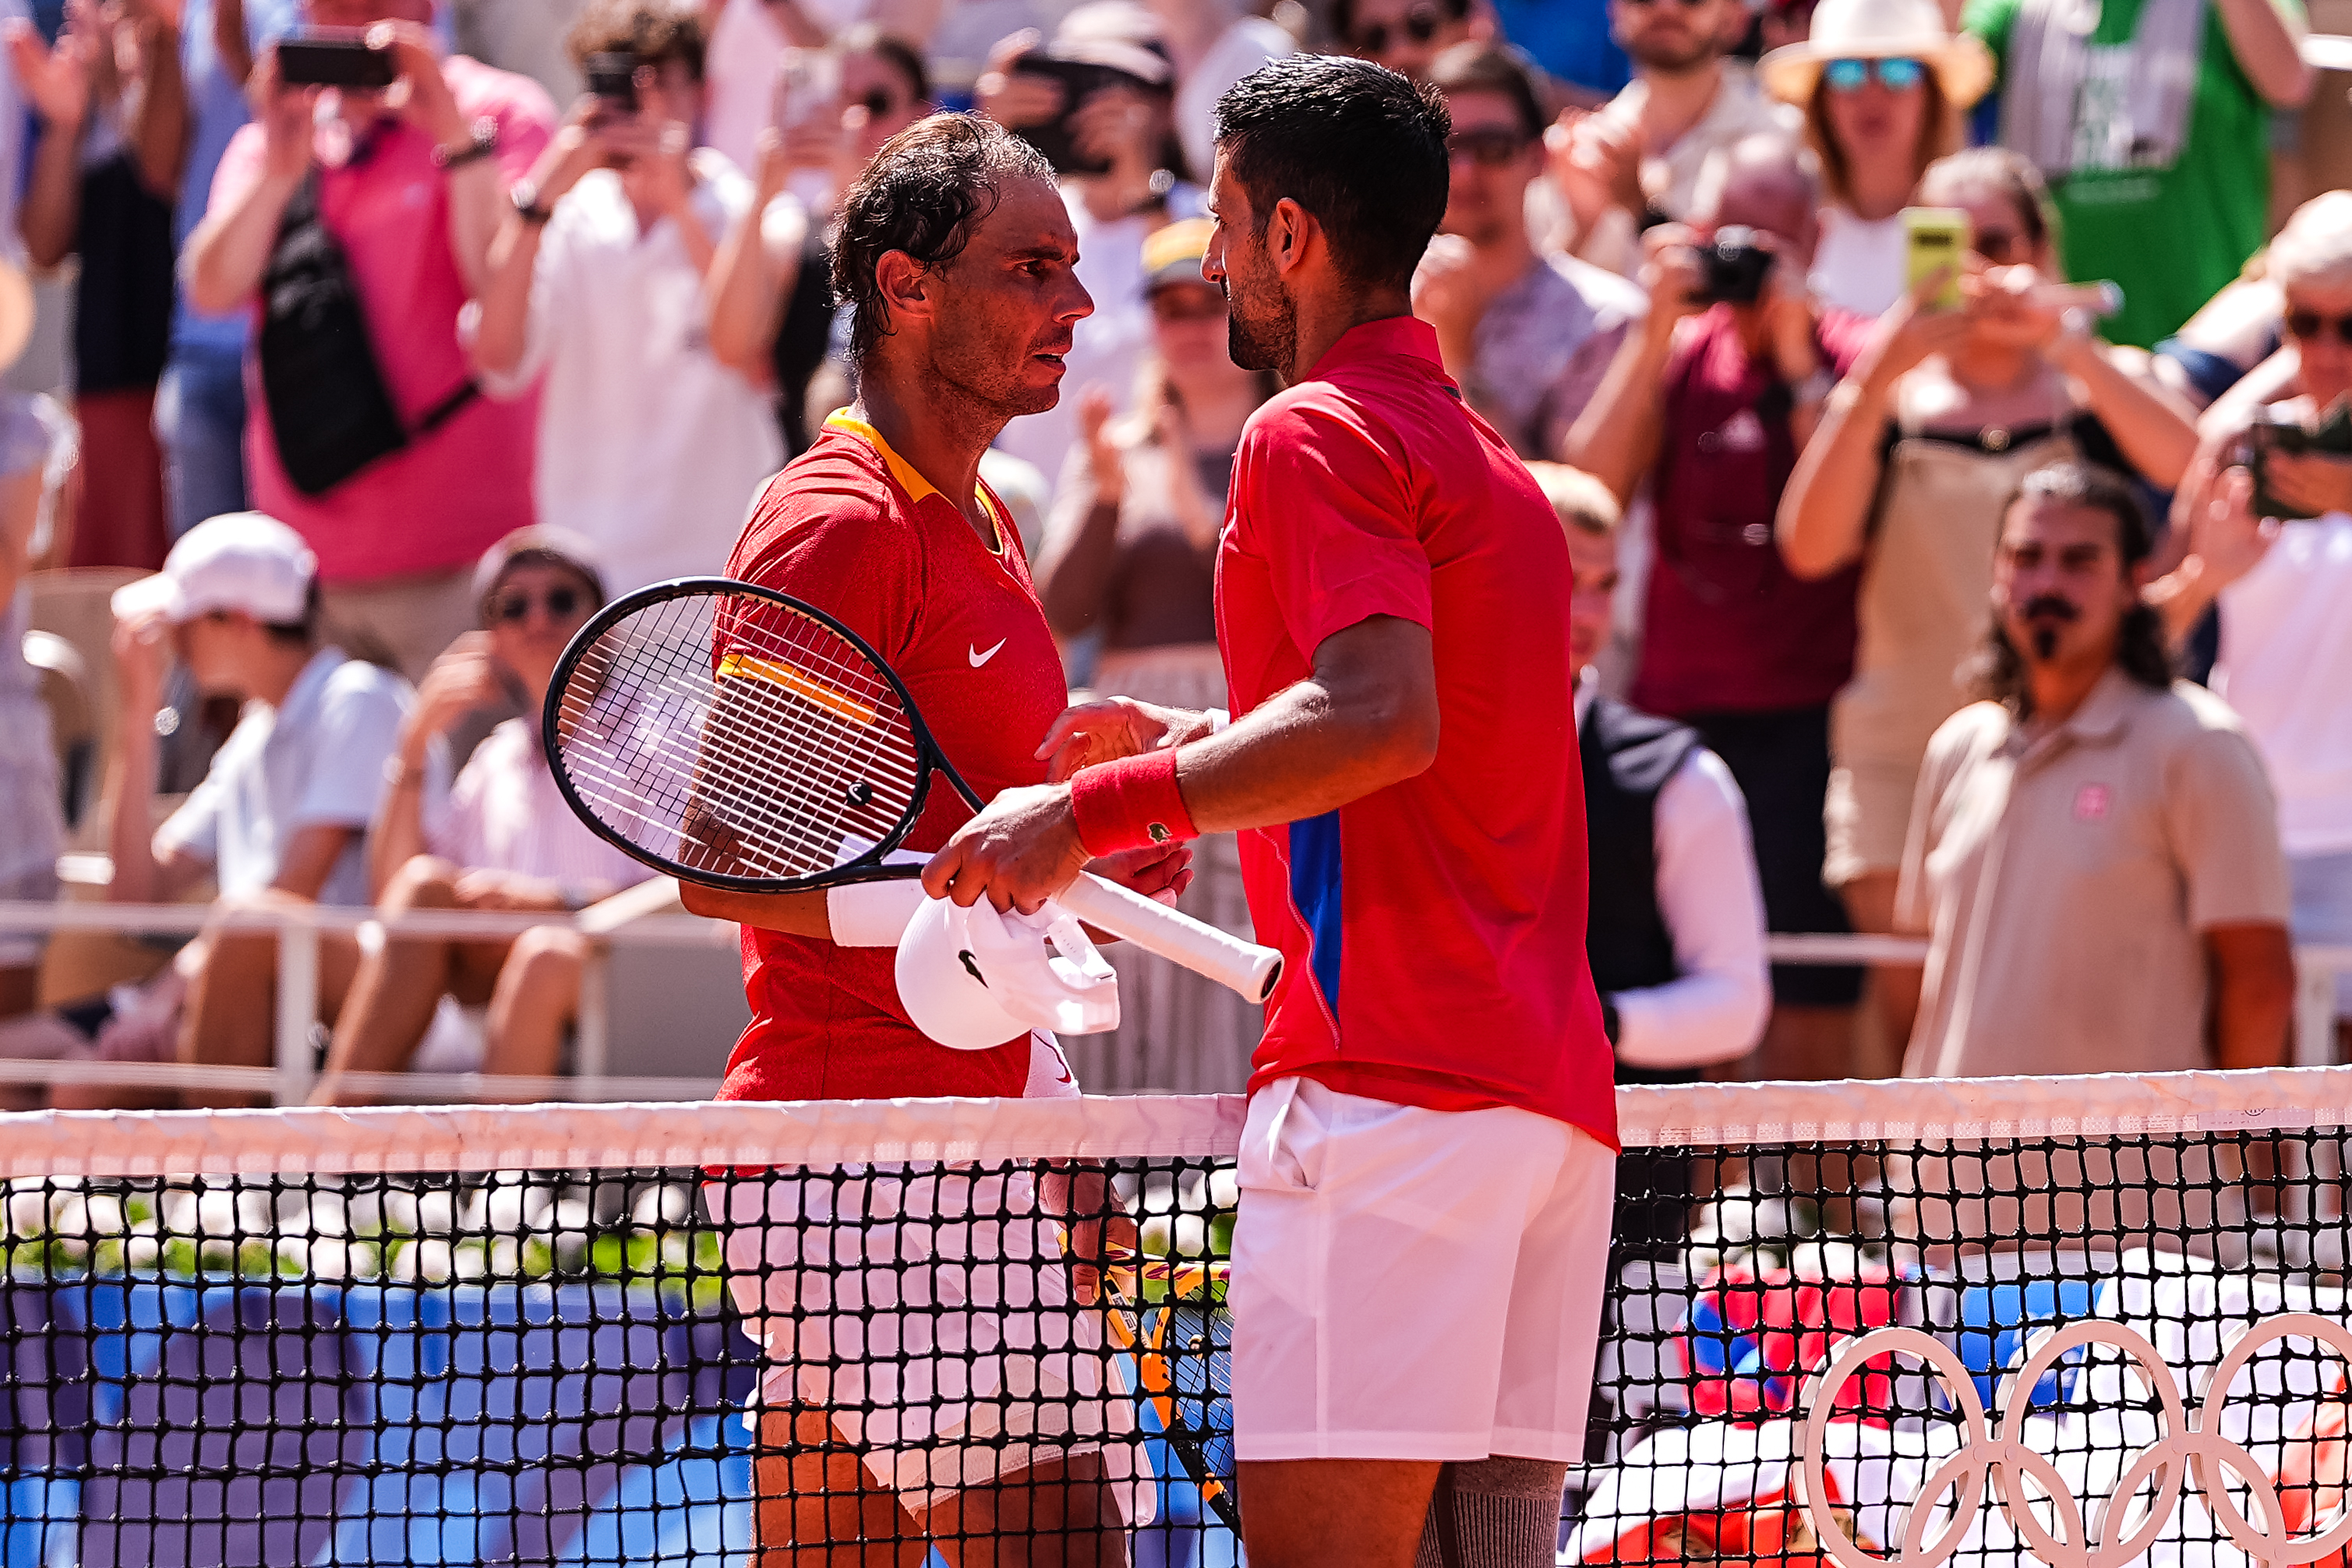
(524, 193)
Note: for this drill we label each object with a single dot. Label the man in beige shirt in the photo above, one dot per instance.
(2095, 851)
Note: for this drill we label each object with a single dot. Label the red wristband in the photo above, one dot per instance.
(1131, 804)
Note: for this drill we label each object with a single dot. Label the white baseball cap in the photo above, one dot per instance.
(239, 561)
(974, 978)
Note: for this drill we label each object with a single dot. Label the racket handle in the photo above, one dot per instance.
(1242, 966)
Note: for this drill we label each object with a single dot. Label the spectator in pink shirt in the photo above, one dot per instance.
(399, 489)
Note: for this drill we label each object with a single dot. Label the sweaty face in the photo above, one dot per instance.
(1008, 303)
(1262, 329)
(1593, 559)
(1493, 160)
(2059, 583)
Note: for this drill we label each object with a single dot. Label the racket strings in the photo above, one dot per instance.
(731, 734)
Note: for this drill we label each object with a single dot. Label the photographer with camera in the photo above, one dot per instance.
(2267, 509)
(1711, 400)
(648, 447)
(368, 438)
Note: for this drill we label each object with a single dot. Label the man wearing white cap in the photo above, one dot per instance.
(282, 815)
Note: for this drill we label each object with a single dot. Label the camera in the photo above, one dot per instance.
(1733, 266)
(613, 79)
(332, 60)
(1078, 80)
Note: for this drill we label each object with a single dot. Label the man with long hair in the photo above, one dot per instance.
(2095, 848)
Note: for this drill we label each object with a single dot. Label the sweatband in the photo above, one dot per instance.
(1131, 803)
(872, 914)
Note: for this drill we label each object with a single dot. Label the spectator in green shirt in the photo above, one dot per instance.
(2153, 129)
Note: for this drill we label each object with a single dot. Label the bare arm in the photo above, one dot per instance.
(794, 915)
(310, 858)
(1616, 439)
(1366, 718)
(751, 277)
(502, 335)
(57, 84)
(142, 875)
(20, 513)
(161, 124)
(2252, 977)
(229, 249)
(2269, 47)
(229, 45)
(2157, 431)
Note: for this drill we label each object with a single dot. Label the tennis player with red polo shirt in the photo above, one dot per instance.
(918, 1387)
(1427, 1165)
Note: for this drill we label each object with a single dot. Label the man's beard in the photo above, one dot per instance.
(1264, 342)
(1674, 62)
(2044, 617)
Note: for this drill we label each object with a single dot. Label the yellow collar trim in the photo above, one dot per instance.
(913, 483)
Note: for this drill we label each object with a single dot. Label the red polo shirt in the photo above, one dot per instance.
(854, 530)
(1434, 929)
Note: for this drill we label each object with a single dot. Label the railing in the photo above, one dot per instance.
(289, 1080)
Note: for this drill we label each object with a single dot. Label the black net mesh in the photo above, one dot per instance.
(566, 1353)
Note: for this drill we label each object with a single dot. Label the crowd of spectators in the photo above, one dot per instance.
(1879, 598)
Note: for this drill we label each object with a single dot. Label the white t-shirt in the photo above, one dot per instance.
(315, 759)
(1859, 264)
(1238, 50)
(648, 447)
(504, 813)
(2285, 665)
(1107, 348)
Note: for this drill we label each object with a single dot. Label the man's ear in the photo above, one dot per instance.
(1290, 234)
(905, 287)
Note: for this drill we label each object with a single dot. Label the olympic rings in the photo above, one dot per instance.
(2192, 1453)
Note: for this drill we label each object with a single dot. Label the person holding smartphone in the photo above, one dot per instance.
(497, 837)
(1944, 413)
(649, 446)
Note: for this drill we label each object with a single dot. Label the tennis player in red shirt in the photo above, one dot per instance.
(1427, 1169)
(921, 1387)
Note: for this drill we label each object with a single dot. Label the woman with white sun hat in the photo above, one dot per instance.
(1883, 85)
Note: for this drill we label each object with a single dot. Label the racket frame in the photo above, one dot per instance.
(930, 757)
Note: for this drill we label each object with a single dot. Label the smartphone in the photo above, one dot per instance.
(1934, 238)
(808, 87)
(1078, 80)
(314, 61)
(612, 78)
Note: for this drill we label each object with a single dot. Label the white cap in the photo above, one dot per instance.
(239, 561)
(973, 979)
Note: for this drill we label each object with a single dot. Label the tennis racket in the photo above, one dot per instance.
(738, 738)
(1169, 1315)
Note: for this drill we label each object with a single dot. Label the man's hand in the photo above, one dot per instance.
(1158, 872)
(1097, 1231)
(1674, 276)
(56, 82)
(1595, 162)
(652, 157)
(2228, 539)
(142, 654)
(1109, 728)
(419, 94)
(1451, 294)
(288, 116)
(1009, 97)
(462, 679)
(2310, 482)
(1020, 851)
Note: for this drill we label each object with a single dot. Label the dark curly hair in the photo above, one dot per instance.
(2141, 649)
(922, 193)
(656, 33)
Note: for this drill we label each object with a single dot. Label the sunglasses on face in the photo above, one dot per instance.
(2307, 326)
(1170, 305)
(1899, 75)
(1419, 25)
(514, 605)
(1489, 147)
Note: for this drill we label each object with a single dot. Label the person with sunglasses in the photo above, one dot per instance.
(595, 306)
(1627, 167)
(1527, 334)
(1934, 425)
(2270, 542)
(497, 837)
(771, 286)
(1883, 85)
(1406, 36)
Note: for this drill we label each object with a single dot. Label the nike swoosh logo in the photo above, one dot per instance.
(979, 659)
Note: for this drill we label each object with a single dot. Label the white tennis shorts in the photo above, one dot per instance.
(1414, 1284)
(928, 1310)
